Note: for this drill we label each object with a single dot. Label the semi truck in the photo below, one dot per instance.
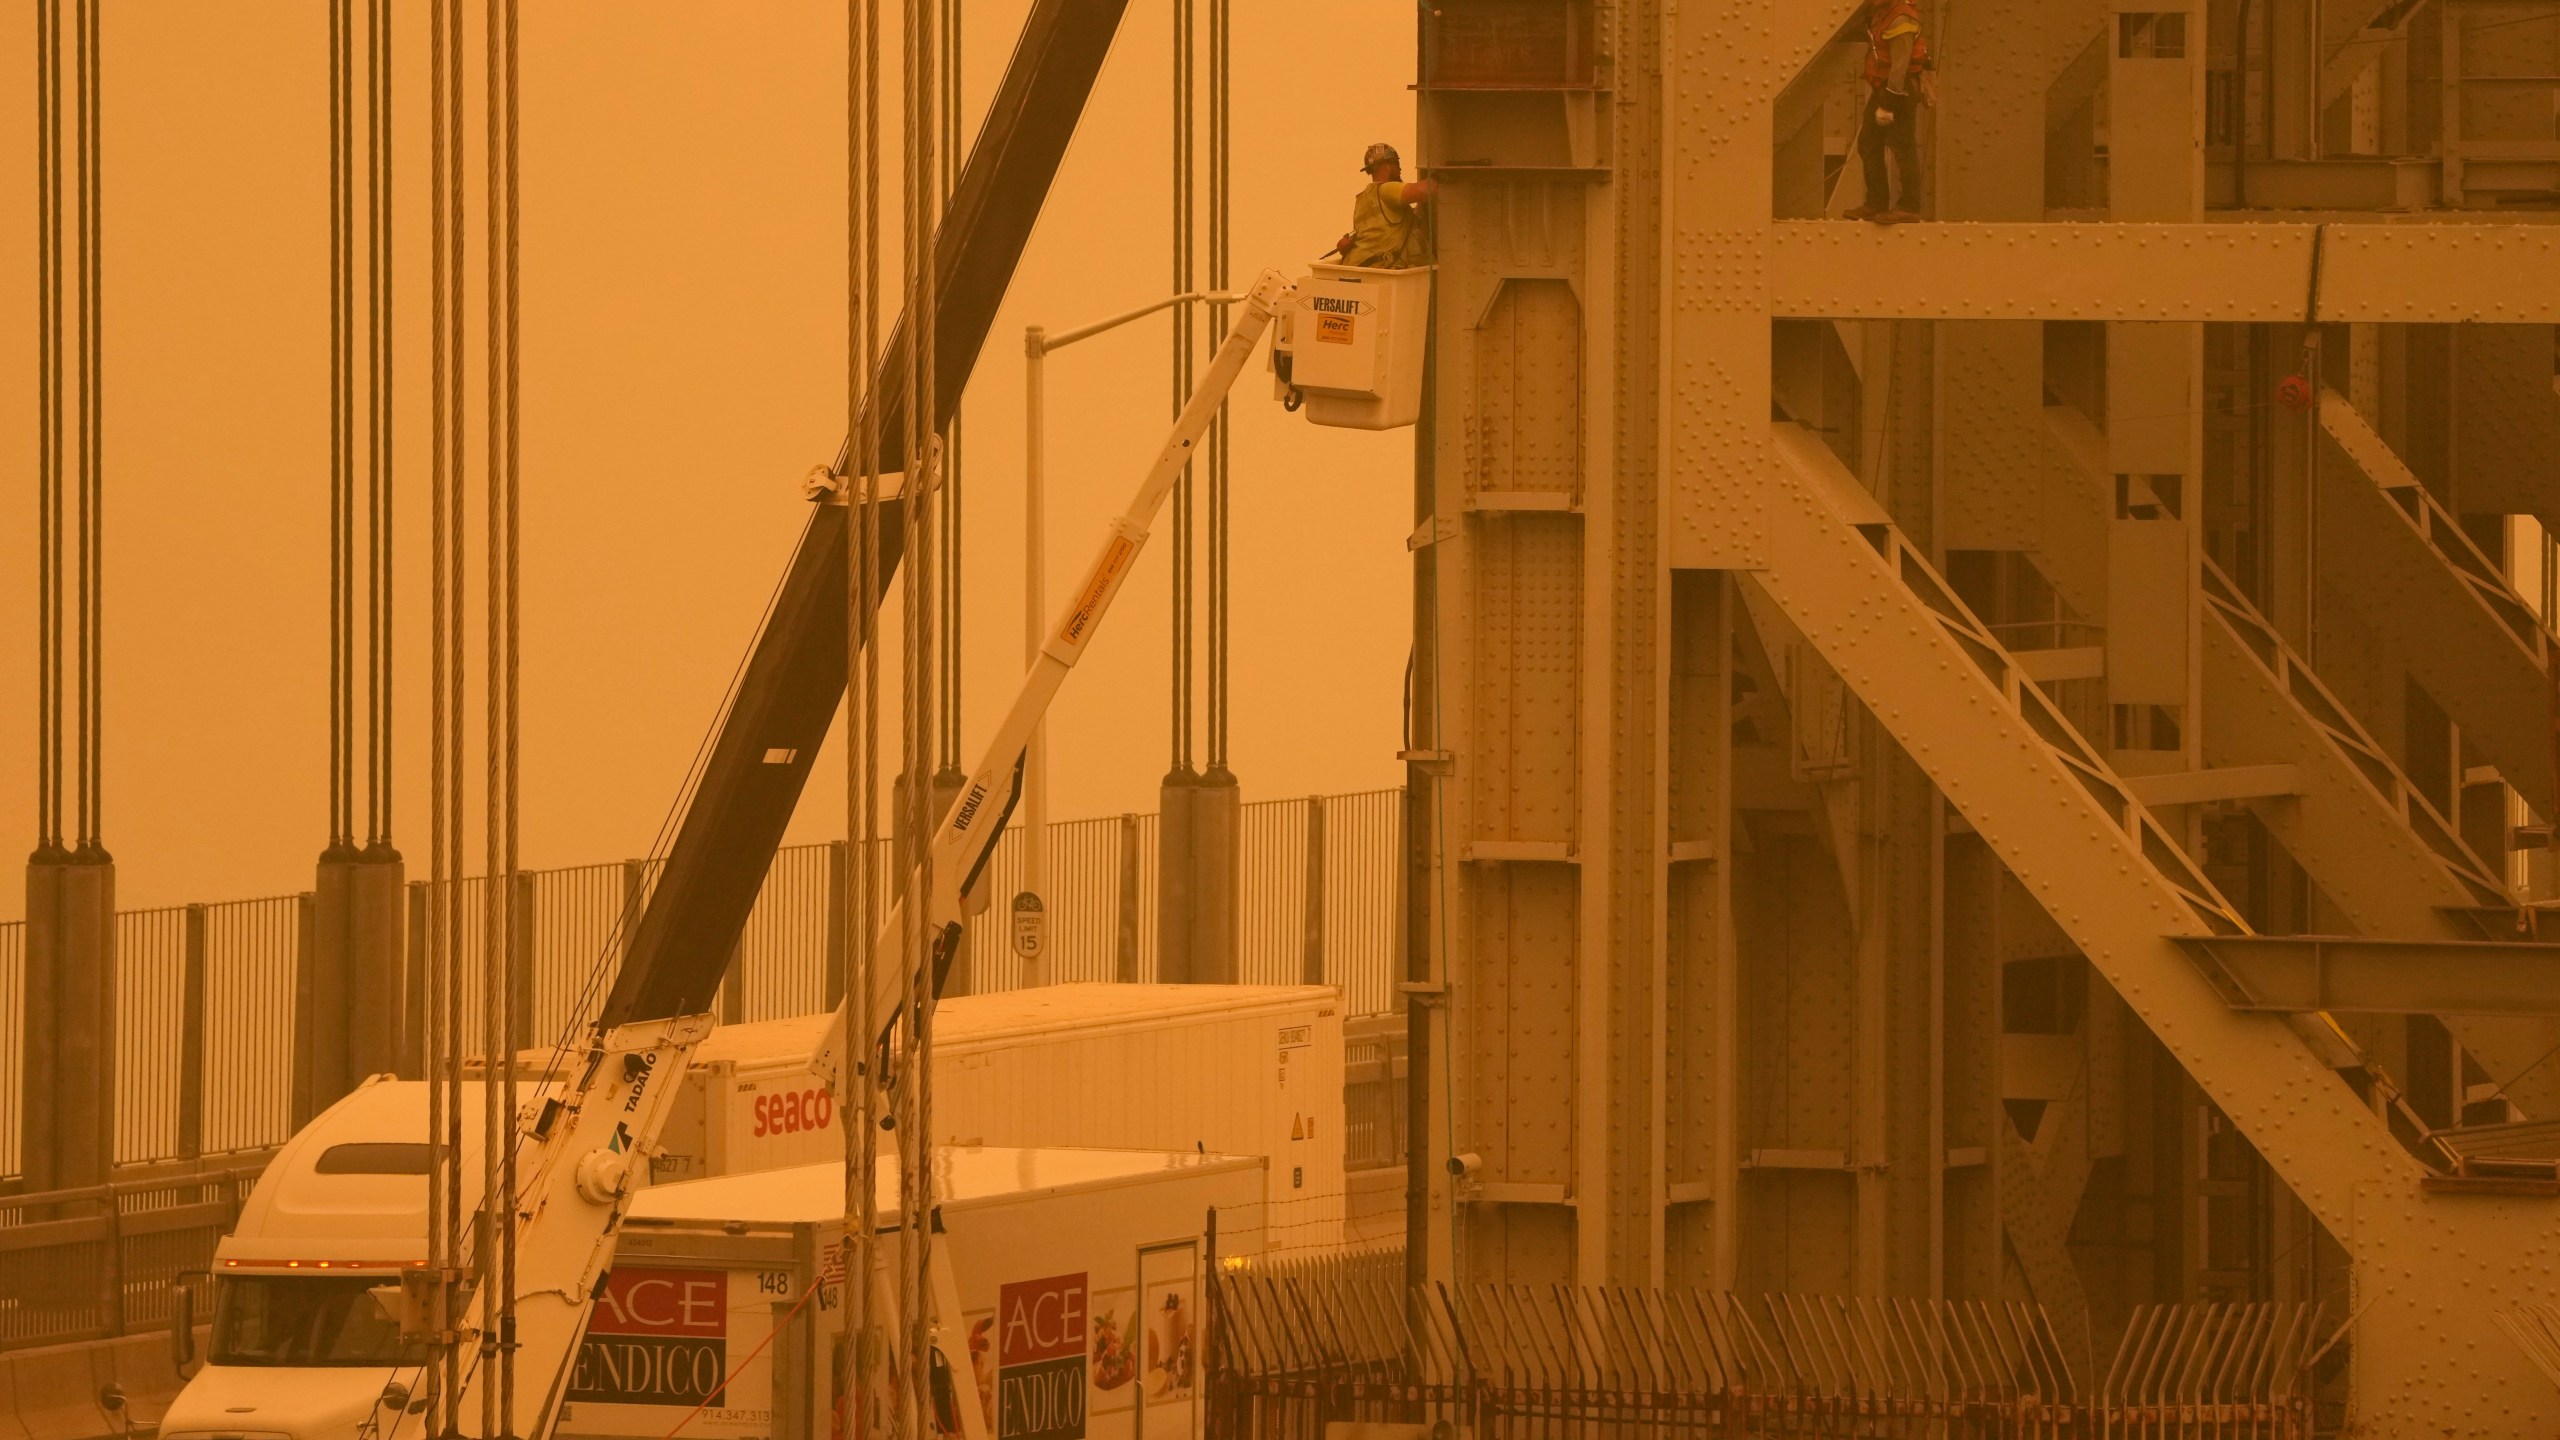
(710, 1277)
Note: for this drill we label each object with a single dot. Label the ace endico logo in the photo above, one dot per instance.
(657, 1337)
(1041, 1327)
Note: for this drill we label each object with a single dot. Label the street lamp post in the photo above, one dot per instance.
(1030, 921)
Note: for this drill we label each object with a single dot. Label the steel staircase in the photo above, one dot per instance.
(2111, 877)
(2385, 856)
(2391, 862)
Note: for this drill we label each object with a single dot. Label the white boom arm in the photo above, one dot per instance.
(969, 833)
(591, 1153)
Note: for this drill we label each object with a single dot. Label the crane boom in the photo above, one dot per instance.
(760, 760)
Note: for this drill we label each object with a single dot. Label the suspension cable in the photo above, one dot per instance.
(1184, 341)
(513, 708)
(499, 928)
(445, 980)
(854, 1415)
(947, 171)
(341, 424)
(378, 551)
(92, 486)
(435, 1063)
(515, 705)
(919, 732)
(1221, 136)
(49, 446)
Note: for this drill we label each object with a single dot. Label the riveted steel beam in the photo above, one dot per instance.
(2506, 447)
(2263, 272)
(2470, 640)
(2347, 975)
(1802, 28)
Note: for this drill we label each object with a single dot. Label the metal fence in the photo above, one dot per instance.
(1300, 1348)
(252, 1009)
(151, 1030)
(208, 1008)
(1373, 1093)
(84, 1264)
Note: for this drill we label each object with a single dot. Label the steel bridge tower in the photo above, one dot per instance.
(1883, 694)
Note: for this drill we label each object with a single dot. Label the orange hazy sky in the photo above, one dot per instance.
(683, 367)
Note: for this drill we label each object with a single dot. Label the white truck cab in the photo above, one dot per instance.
(306, 1291)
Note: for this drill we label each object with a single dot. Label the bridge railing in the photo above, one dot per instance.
(87, 1264)
(208, 995)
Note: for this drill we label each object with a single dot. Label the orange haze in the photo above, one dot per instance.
(683, 356)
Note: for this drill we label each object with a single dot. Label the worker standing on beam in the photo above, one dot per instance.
(1386, 230)
(1900, 79)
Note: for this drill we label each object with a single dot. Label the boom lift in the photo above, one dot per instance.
(591, 1146)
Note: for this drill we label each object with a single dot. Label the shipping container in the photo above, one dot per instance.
(1227, 1069)
(1080, 1274)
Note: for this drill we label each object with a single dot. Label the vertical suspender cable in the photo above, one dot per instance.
(49, 429)
(853, 1415)
(919, 732)
(378, 548)
(433, 1054)
(92, 398)
(1183, 342)
(509, 411)
(341, 425)
(514, 658)
(1221, 135)
(948, 171)
(452, 732)
(496, 938)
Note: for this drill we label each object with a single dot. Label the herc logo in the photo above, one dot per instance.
(659, 1337)
(1040, 1347)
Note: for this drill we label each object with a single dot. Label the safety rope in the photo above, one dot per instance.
(49, 447)
(92, 402)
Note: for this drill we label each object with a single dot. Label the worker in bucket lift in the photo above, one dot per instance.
(1386, 230)
(1900, 79)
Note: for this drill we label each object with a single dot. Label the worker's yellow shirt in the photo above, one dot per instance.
(1900, 28)
(1384, 229)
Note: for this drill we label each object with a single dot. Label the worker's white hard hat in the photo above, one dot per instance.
(1379, 154)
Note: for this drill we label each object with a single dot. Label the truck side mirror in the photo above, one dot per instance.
(182, 1321)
